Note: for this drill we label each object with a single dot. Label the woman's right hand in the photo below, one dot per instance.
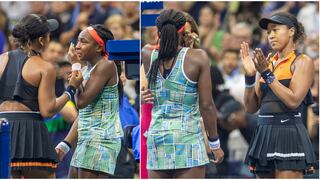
(60, 153)
(247, 61)
(72, 55)
(218, 155)
(146, 96)
(76, 79)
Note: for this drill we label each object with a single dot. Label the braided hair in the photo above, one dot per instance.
(168, 24)
(106, 35)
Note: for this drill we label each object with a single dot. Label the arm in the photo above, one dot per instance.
(73, 134)
(48, 103)
(252, 93)
(63, 148)
(69, 112)
(252, 101)
(145, 57)
(99, 77)
(207, 108)
(3, 62)
(300, 83)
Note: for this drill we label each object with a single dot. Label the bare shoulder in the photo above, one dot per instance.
(105, 67)
(4, 56)
(303, 61)
(44, 67)
(198, 56)
(304, 58)
(4, 59)
(3, 62)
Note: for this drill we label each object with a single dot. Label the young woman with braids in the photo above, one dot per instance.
(281, 146)
(175, 142)
(98, 127)
(27, 95)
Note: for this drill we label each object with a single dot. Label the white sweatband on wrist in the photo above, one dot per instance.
(76, 67)
(64, 147)
(214, 144)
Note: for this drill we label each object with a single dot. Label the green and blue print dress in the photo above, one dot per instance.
(99, 132)
(174, 138)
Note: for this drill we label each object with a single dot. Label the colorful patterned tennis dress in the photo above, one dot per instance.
(99, 132)
(174, 138)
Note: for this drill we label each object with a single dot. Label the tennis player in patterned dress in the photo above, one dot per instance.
(99, 129)
(180, 86)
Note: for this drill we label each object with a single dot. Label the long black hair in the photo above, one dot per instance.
(168, 24)
(107, 35)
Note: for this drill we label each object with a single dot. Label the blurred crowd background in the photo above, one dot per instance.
(222, 26)
(122, 18)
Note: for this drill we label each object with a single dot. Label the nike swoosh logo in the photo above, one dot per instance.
(284, 120)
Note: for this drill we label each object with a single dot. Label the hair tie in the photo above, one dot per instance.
(182, 28)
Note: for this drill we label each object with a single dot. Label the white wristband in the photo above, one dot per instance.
(76, 66)
(64, 147)
(214, 144)
(68, 94)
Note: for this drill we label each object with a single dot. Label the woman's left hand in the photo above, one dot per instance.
(260, 62)
(190, 39)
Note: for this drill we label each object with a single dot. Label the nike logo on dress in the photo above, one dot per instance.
(284, 120)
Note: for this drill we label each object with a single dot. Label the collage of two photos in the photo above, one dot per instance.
(159, 89)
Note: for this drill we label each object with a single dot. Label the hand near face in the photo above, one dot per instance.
(76, 79)
(72, 55)
(190, 39)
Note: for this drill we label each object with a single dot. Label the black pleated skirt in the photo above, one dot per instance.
(31, 146)
(280, 142)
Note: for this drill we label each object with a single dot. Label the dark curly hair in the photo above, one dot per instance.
(29, 28)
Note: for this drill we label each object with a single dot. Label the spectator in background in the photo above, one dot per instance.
(42, 7)
(309, 17)
(21, 9)
(211, 36)
(82, 22)
(232, 73)
(240, 32)
(63, 10)
(118, 26)
(107, 9)
(150, 36)
(54, 52)
(132, 16)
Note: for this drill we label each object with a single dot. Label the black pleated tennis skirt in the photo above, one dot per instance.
(31, 146)
(280, 142)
